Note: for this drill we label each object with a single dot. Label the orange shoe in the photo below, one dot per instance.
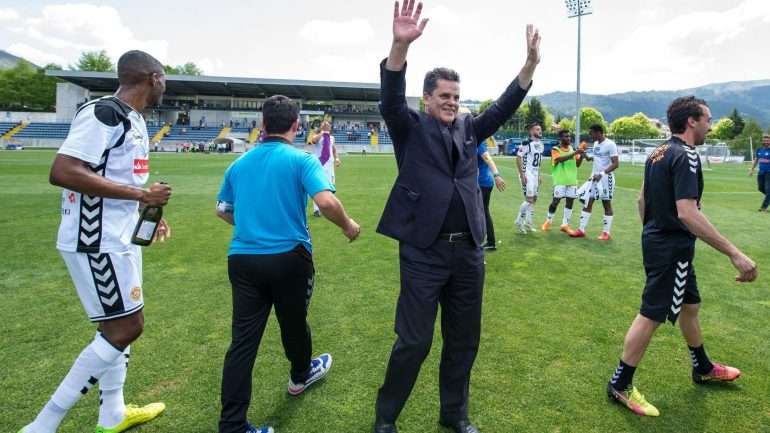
(546, 226)
(720, 373)
(566, 229)
(604, 236)
(578, 234)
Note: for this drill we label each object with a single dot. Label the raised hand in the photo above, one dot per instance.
(533, 45)
(406, 22)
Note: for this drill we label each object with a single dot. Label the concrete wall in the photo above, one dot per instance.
(24, 116)
(68, 96)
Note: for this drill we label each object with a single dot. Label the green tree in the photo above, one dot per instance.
(590, 116)
(535, 113)
(751, 130)
(95, 61)
(188, 68)
(27, 88)
(724, 129)
(485, 104)
(633, 127)
(738, 122)
(567, 123)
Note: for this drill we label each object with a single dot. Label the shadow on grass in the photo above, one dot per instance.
(687, 408)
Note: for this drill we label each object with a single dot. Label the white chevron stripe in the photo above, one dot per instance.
(99, 266)
(90, 214)
(683, 265)
(678, 301)
(679, 292)
(88, 240)
(106, 289)
(89, 227)
(111, 300)
(681, 274)
(102, 278)
(674, 310)
(693, 170)
(679, 283)
(91, 201)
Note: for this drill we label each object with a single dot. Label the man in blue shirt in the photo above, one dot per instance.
(762, 158)
(270, 263)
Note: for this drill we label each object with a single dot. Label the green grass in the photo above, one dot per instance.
(555, 313)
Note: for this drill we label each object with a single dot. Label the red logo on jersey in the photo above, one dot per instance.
(71, 197)
(141, 166)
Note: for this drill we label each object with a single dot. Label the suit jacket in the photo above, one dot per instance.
(420, 197)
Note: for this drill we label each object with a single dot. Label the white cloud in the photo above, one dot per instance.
(356, 31)
(211, 66)
(38, 57)
(73, 28)
(8, 14)
(682, 52)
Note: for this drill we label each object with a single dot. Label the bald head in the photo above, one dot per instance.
(135, 67)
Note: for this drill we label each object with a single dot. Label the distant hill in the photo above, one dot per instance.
(8, 60)
(751, 98)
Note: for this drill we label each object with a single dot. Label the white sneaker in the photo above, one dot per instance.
(319, 368)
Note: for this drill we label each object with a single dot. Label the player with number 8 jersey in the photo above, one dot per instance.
(529, 156)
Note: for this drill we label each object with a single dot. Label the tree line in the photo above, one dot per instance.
(26, 87)
(733, 130)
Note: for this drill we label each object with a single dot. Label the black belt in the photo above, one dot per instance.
(454, 237)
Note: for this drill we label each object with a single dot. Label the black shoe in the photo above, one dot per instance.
(462, 426)
(381, 426)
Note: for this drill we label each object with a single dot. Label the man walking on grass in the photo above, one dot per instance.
(669, 206)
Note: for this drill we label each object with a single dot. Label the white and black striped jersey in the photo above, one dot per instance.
(111, 138)
(531, 153)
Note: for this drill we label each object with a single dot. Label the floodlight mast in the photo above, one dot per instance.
(578, 8)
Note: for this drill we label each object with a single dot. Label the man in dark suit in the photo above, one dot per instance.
(435, 211)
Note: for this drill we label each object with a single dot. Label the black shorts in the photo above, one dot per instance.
(671, 282)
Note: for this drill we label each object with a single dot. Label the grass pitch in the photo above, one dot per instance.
(555, 313)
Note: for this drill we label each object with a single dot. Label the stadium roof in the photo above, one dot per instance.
(191, 85)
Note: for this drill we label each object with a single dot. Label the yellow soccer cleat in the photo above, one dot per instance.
(632, 399)
(134, 416)
(546, 226)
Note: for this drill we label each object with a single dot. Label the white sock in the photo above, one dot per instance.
(567, 216)
(522, 212)
(112, 407)
(549, 218)
(584, 217)
(90, 365)
(530, 213)
(607, 224)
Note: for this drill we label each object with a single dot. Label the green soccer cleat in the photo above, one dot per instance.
(134, 416)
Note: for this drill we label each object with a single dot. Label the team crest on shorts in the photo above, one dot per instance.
(136, 294)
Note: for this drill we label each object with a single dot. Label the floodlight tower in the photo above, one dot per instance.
(578, 8)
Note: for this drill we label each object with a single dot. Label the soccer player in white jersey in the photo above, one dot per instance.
(528, 160)
(102, 166)
(605, 159)
(326, 152)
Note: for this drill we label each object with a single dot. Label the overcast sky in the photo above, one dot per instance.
(627, 44)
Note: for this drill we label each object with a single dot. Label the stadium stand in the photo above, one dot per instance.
(44, 130)
(6, 126)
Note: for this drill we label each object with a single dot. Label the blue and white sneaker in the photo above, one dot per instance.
(319, 368)
(264, 429)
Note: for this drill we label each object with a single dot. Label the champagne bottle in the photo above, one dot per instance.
(147, 225)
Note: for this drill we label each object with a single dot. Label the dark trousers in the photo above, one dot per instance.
(260, 282)
(486, 194)
(450, 274)
(763, 183)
